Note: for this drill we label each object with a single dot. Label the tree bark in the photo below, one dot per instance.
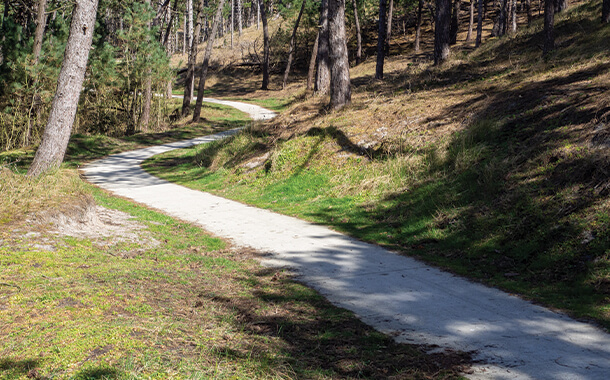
(606, 12)
(442, 31)
(513, 18)
(239, 10)
(192, 62)
(455, 22)
(471, 21)
(265, 85)
(323, 74)
(232, 21)
(206, 62)
(340, 87)
(529, 12)
(389, 27)
(561, 5)
(479, 25)
(549, 21)
(358, 34)
(312, 64)
(40, 25)
(56, 135)
(381, 35)
(420, 7)
(292, 43)
(146, 105)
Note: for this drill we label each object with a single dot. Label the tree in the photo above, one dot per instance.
(189, 82)
(381, 36)
(455, 22)
(292, 43)
(389, 27)
(145, 118)
(265, 85)
(40, 24)
(56, 135)
(358, 34)
(418, 25)
(479, 24)
(441, 31)
(312, 63)
(340, 87)
(549, 21)
(561, 5)
(323, 74)
(206, 62)
(606, 12)
(471, 22)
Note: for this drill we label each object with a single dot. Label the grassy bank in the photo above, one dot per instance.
(493, 166)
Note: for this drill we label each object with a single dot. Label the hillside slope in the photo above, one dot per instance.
(494, 166)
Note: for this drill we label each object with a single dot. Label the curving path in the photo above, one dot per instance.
(415, 303)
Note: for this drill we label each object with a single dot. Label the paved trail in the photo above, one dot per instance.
(513, 339)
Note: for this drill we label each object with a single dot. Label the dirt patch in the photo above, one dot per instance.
(86, 220)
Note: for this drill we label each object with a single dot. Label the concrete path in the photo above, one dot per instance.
(413, 302)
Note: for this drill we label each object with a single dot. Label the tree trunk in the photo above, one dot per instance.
(258, 14)
(381, 35)
(418, 26)
(292, 43)
(192, 62)
(312, 64)
(389, 28)
(232, 21)
(184, 35)
(471, 22)
(561, 5)
(479, 25)
(40, 24)
(206, 62)
(549, 21)
(323, 74)
(455, 22)
(606, 12)
(340, 88)
(265, 85)
(513, 18)
(145, 117)
(529, 12)
(56, 135)
(358, 34)
(442, 31)
(239, 26)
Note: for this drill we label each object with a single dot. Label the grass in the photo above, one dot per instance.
(174, 302)
(492, 166)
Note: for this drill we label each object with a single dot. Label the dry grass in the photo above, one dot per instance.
(22, 195)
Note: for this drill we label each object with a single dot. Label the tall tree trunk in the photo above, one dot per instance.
(232, 21)
(549, 21)
(511, 18)
(340, 87)
(471, 21)
(40, 24)
(561, 5)
(258, 14)
(184, 34)
(420, 7)
(292, 43)
(455, 22)
(389, 28)
(479, 25)
(265, 85)
(146, 105)
(606, 12)
(323, 74)
(192, 62)
(239, 26)
(206, 62)
(312, 64)
(442, 31)
(358, 34)
(56, 135)
(529, 12)
(381, 36)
